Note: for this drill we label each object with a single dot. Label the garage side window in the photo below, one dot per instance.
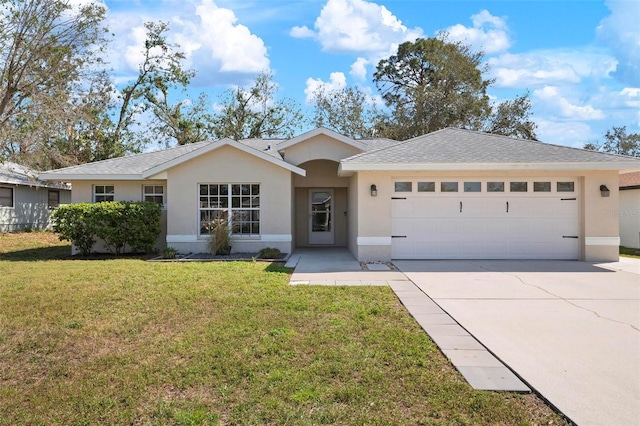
(448, 186)
(495, 186)
(472, 187)
(518, 187)
(565, 187)
(541, 186)
(426, 187)
(6, 197)
(403, 187)
(103, 193)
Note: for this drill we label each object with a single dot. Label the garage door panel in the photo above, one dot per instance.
(530, 227)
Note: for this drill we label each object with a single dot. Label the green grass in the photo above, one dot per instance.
(629, 252)
(123, 341)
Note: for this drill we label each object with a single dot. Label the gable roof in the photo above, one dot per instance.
(145, 165)
(457, 149)
(321, 131)
(16, 174)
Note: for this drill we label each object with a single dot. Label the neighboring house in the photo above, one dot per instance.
(26, 201)
(629, 214)
(446, 195)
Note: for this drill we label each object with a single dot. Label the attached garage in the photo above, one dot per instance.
(460, 194)
(485, 219)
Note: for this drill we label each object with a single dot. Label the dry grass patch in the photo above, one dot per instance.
(125, 341)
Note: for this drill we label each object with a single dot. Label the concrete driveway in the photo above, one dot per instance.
(571, 330)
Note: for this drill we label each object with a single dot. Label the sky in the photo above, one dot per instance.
(578, 59)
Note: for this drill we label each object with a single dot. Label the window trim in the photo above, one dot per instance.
(94, 193)
(230, 209)
(13, 197)
(163, 205)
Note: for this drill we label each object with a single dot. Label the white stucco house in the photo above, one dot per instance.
(450, 194)
(26, 202)
(629, 212)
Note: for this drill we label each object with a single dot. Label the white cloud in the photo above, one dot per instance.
(359, 69)
(620, 31)
(301, 32)
(358, 26)
(553, 98)
(489, 33)
(571, 133)
(550, 67)
(337, 81)
(214, 43)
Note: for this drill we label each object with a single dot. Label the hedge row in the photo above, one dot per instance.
(120, 224)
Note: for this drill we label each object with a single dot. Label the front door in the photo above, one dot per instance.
(321, 216)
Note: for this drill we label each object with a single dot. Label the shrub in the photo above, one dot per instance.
(169, 253)
(120, 224)
(219, 237)
(269, 253)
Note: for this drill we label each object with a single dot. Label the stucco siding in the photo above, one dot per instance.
(30, 209)
(320, 147)
(598, 226)
(229, 165)
(629, 216)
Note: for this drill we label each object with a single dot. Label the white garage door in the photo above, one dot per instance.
(482, 224)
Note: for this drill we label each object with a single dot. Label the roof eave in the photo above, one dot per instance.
(618, 165)
(66, 177)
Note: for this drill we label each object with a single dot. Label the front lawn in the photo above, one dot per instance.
(124, 341)
(629, 252)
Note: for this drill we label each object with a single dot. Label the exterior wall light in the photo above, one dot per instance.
(374, 191)
(604, 191)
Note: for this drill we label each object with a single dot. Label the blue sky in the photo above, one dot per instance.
(580, 60)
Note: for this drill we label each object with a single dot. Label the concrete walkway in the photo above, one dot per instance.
(338, 267)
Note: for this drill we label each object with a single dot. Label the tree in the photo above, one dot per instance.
(46, 50)
(348, 111)
(185, 122)
(618, 141)
(256, 113)
(431, 84)
(160, 70)
(512, 118)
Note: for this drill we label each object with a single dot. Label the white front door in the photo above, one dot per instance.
(321, 216)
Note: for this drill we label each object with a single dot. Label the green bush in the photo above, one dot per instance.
(269, 253)
(120, 224)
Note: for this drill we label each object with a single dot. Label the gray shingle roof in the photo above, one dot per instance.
(16, 174)
(466, 146)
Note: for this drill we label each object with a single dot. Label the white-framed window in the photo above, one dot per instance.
(237, 203)
(153, 193)
(103, 193)
(54, 198)
(6, 196)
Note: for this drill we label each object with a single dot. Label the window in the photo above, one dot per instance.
(472, 187)
(6, 197)
(426, 187)
(103, 193)
(403, 187)
(54, 199)
(518, 186)
(153, 193)
(448, 186)
(237, 203)
(565, 187)
(541, 186)
(495, 186)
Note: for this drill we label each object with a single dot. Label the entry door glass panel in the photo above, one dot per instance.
(321, 216)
